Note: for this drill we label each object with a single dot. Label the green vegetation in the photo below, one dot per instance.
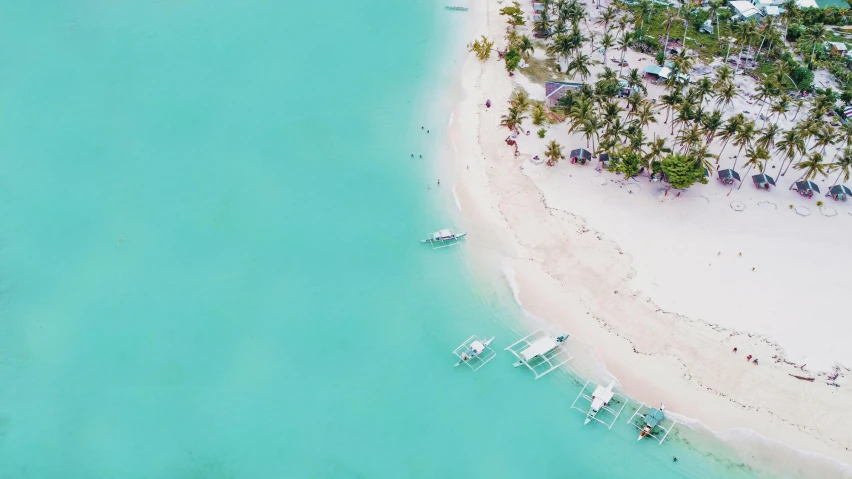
(541, 132)
(681, 171)
(515, 14)
(482, 48)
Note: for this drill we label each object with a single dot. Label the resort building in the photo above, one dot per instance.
(744, 10)
(836, 48)
(554, 90)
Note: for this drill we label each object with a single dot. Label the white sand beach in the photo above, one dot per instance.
(664, 285)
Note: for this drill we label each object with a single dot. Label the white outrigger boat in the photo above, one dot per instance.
(443, 238)
(474, 352)
(540, 352)
(602, 399)
(652, 422)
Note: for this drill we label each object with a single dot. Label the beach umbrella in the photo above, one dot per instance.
(729, 174)
(840, 190)
(581, 153)
(807, 185)
(762, 178)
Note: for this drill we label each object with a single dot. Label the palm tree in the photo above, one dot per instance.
(542, 25)
(644, 115)
(539, 116)
(730, 129)
(683, 63)
(790, 146)
(790, 11)
(689, 137)
(580, 64)
(800, 102)
(814, 35)
(725, 94)
(744, 32)
(745, 135)
(812, 166)
(624, 42)
(645, 8)
(766, 137)
(764, 91)
(702, 156)
(610, 111)
(685, 114)
(756, 157)
(669, 16)
(710, 125)
(589, 127)
(844, 163)
(781, 107)
(607, 42)
(657, 151)
(607, 15)
(713, 8)
(525, 47)
(703, 88)
(669, 100)
(513, 119)
(723, 76)
(562, 46)
(520, 99)
(633, 101)
(553, 153)
(824, 137)
(634, 80)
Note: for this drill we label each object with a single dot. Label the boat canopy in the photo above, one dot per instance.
(654, 417)
(538, 348)
(445, 233)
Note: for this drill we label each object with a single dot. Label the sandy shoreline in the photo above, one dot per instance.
(586, 256)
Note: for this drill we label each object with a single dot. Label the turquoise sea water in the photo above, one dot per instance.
(208, 257)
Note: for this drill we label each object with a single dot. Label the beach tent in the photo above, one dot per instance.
(580, 155)
(847, 111)
(806, 188)
(763, 181)
(728, 176)
(603, 158)
(840, 192)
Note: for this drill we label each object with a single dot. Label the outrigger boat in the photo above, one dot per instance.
(540, 352)
(474, 352)
(653, 422)
(456, 9)
(443, 238)
(476, 348)
(602, 399)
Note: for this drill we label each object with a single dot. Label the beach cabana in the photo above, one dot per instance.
(728, 176)
(763, 181)
(580, 155)
(836, 48)
(840, 192)
(807, 188)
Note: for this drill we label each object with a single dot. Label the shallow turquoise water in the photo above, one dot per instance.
(208, 217)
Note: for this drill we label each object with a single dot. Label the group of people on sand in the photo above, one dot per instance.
(748, 358)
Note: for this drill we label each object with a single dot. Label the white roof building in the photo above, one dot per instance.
(771, 11)
(744, 9)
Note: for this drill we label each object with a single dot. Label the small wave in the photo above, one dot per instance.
(509, 274)
(458, 202)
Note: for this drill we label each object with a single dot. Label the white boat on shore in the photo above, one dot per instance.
(443, 238)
